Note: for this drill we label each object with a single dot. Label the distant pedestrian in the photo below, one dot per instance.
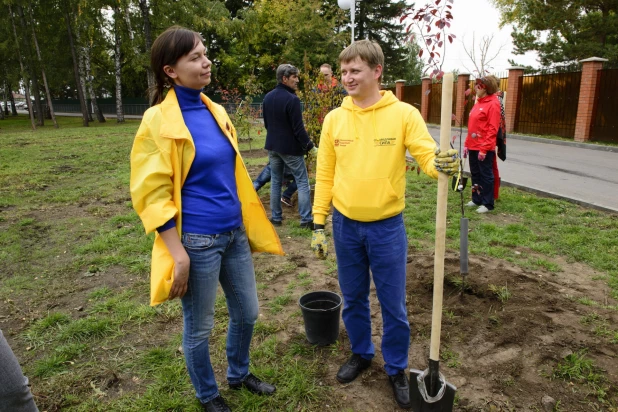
(287, 142)
(190, 186)
(501, 135)
(483, 124)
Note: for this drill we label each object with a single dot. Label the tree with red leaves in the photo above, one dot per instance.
(432, 23)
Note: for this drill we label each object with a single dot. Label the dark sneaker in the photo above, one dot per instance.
(307, 225)
(216, 405)
(352, 368)
(275, 222)
(255, 385)
(401, 389)
(286, 201)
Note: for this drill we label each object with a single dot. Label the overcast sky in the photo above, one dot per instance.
(481, 18)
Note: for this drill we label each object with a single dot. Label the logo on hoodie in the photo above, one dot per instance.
(342, 142)
(386, 141)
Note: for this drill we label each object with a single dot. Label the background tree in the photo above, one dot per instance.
(481, 53)
(274, 32)
(429, 27)
(379, 20)
(563, 31)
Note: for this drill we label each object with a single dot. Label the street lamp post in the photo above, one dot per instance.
(351, 5)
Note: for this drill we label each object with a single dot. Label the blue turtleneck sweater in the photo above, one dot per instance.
(210, 202)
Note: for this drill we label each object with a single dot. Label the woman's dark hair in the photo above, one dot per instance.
(170, 46)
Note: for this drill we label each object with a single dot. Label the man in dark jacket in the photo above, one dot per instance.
(287, 141)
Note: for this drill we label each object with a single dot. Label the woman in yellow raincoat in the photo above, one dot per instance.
(190, 186)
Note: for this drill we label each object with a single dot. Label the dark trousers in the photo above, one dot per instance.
(482, 179)
(288, 180)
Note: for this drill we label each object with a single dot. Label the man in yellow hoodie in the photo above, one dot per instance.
(361, 169)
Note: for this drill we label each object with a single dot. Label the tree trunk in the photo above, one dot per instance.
(50, 106)
(82, 78)
(4, 101)
(117, 61)
(31, 66)
(145, 8)
(82, 101)
(13, 107)
(23, 73)
(82, 70)
(93, 97)
(7, 90)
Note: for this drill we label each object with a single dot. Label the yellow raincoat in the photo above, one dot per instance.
(161, 157)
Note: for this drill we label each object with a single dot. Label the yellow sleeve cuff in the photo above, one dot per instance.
(319, 219)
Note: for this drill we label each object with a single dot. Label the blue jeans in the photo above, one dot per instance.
(288, 180)
(15, 395)
(297, 166)
(381, 246)
(224, 258)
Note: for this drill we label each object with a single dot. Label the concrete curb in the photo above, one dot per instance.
(590, 146)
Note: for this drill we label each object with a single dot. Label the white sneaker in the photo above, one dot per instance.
(471, 204)
(482, 209)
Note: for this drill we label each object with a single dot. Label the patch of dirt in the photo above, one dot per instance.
(499, 355)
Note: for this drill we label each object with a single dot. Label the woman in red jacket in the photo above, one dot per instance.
(483, 125)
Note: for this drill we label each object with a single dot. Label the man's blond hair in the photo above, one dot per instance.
(368, 51)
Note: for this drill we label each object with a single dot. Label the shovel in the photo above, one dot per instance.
(429, 390)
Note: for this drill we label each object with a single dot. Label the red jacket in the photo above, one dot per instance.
(483, 124)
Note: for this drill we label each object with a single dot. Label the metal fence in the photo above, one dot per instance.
(435, 102)
(548, 104)
(412, 95)
(604, 118)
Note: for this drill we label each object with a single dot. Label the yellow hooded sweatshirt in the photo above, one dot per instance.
(362, 158)
(161, 157)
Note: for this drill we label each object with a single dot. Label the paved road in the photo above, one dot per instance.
(582, 173)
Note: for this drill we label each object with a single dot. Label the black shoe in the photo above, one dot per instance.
(307, 225)
(275, 222)
(255, 385)
(216, 405)
(350, 370)
(401, 389)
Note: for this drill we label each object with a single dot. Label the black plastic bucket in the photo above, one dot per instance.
(321, 311)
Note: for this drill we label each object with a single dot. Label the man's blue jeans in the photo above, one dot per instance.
(296, 164)
(224, 258)
(288, 180)
(382, 247)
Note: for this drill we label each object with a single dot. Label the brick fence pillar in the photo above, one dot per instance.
(463, 79)
(399, 89)
(512, 96)
(425, 88)
(587, 96)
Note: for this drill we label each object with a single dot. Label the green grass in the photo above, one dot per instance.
(577, 367)
(69, 237)
(256, 161)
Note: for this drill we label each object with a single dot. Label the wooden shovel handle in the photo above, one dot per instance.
(438, 271)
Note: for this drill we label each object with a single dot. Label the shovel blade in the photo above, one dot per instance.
(444, 404)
